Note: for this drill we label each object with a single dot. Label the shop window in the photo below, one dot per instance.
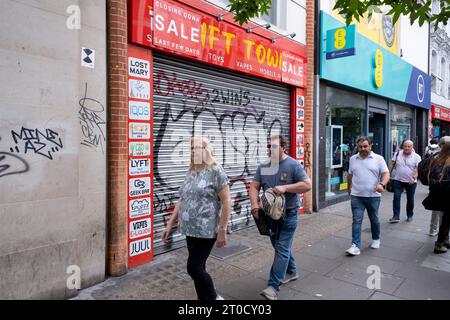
(345, 118)
(442, 76)
(272, 16)
(448, 82)
(434, 62)
(433, 83)
(401, 124)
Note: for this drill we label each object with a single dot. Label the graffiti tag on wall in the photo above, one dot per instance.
(12, 164)
(44, 143)
(92, 125)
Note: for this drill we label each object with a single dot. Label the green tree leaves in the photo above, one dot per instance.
(244, 10)
(353, 10)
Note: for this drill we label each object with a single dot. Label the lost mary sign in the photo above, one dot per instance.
(138, 68)
(176, 27)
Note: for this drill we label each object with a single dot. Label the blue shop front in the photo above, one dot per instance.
(365, 89)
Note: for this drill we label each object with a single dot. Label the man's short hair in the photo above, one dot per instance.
(281, 138)
(444, 140)
(364, 138)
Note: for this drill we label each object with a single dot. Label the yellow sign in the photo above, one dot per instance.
(378, 76)
(339, 38)
(380, 29)
(343, 186)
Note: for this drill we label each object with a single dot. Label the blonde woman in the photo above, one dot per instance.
(202, 211)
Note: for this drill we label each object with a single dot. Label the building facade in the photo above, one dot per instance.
(439, 117)
(53, 129)
(97, 111)
(373, 82)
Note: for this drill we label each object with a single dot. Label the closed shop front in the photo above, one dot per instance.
(194, 75)
(237, 113)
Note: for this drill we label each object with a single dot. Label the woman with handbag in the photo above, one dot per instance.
(437, 199)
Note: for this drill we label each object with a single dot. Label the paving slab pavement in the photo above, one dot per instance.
(408, 267)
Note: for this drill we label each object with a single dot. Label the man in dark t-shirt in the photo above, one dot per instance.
(286, 176)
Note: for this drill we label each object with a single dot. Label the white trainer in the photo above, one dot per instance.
(434, 233)
(269, 293)
(375, 244)
(353, 250)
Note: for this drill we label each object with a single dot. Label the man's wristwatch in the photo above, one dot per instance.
(383, 185)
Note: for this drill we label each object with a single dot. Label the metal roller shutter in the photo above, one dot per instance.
(237, 113)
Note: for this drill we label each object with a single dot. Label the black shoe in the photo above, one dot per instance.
(439, 248)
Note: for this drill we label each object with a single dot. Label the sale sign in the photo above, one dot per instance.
(173, 26)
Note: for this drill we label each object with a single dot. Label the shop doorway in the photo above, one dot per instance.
(377, 132)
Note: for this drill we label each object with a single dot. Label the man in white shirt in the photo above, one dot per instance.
(405, 178)
(367, 178)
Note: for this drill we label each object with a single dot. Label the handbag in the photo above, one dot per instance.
(262, 223)
(274, 205)
(389, 186)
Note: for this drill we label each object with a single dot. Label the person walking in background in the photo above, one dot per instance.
(203, 211)
(432, 148)
(436, 215)
(438, 198)
(367, 177)
(405, 178)
(286, 176)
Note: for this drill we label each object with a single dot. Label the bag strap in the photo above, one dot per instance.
(396, 156)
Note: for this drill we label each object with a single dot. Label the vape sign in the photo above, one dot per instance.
(140, 124)
(138, 89)
(139, 228)
(139, 166)
(139, 207)
(139, 110)
(138, 68)
(140, 247)
(139, 130)
(139, 187)
(138, 149)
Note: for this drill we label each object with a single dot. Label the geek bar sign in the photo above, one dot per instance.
(196, 35)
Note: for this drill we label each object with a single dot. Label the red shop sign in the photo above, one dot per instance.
(182, 30)
(440, 113)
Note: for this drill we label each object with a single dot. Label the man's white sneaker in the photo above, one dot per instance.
(353, 250)
(269, 293)
(219, 297)
(290, 277)
(375, 244)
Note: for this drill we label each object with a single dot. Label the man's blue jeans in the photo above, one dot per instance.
(283, 261)
(359, 205)
(398, 187)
